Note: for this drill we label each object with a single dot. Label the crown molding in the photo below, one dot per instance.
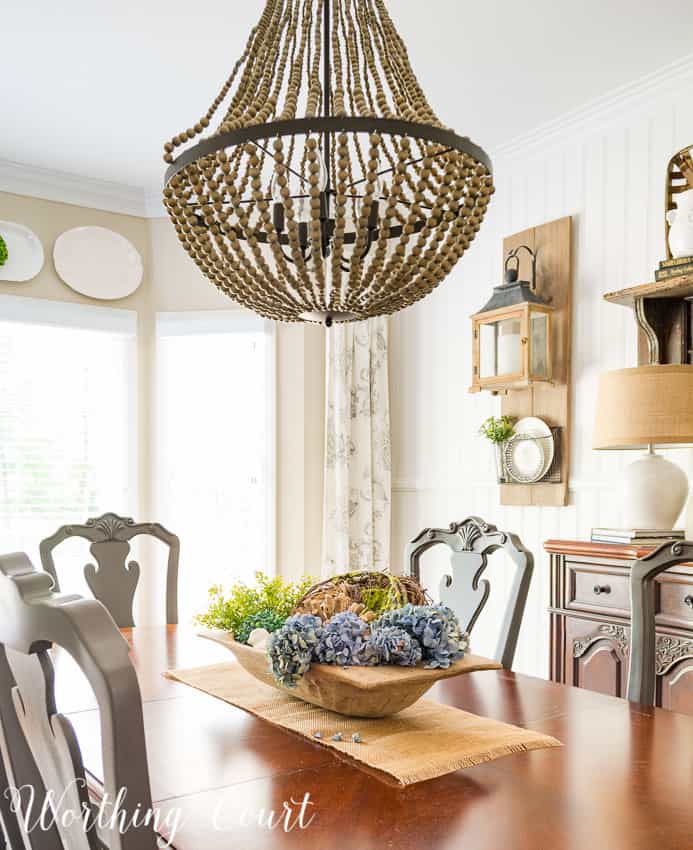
(600, 111)
(36, 182)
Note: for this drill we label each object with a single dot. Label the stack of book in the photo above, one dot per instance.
(673, 268)
(635, 536)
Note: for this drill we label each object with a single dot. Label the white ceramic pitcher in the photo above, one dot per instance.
(680, 223)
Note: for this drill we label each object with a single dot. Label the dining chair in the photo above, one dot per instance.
(38, 745)
(642, 666)
(464, 590)
(114, 581)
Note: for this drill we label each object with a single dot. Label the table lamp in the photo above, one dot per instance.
(645, 408)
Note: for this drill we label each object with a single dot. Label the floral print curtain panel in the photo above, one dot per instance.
(356, 515)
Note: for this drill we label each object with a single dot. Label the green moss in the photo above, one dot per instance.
(380, 599)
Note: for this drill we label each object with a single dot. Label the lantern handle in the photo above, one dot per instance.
(511, 275)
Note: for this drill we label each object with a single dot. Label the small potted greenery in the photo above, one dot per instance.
(3, 251)
(498, 429)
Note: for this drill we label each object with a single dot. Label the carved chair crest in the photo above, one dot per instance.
(114, 579)
(38, 746)
(464, 589)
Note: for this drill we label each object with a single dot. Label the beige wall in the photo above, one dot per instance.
(173, 282)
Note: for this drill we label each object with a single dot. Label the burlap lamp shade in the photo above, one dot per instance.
(649, 405)
(646, 407)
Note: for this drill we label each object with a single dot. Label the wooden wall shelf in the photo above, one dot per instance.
(675, 287)
(664, 313)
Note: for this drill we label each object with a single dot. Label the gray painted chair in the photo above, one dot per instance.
(642, 669)
(114, 581)
(38, 746)
(464, 590)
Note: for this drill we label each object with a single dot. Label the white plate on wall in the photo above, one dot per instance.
(529, 453)
(98, 262)
(25, 252)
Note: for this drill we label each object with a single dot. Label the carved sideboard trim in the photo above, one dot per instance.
(606, 630)
(669, 651)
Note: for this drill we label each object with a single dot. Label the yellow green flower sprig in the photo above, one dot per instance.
(4, 254)
(268, 603)
(497, 429)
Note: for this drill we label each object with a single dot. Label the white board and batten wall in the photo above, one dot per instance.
(605, 166)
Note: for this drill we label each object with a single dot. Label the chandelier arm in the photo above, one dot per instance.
(288, 168)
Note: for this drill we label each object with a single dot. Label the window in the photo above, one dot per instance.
(215, 439)
(67, 412)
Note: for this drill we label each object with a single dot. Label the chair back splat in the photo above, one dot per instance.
(113, 580)
(463, 589)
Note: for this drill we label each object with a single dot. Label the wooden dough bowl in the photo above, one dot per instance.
(354, 691)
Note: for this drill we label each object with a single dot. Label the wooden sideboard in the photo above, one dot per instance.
(590, 621)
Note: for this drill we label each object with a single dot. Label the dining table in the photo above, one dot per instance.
(227, 780)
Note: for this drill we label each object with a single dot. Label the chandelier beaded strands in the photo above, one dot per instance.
(321, 186)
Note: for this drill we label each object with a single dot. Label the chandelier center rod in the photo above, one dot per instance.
(326, 70)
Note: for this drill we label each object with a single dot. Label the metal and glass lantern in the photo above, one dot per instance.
(511, 334)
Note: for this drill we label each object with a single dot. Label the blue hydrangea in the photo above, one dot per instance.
(396, 646)
(344, 641)
(290, 649)
(435, 627)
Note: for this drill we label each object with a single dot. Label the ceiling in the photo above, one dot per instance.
(95, 88)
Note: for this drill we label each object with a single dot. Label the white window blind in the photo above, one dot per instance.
(215, 437)
(67, 413)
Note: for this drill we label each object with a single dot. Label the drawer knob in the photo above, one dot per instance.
(688, 600)
(601, 588)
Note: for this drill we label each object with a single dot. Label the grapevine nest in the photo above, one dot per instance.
(367, 594)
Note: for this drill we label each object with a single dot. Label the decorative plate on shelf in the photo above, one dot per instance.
(24, 252)
(98, 262)
(529, 452)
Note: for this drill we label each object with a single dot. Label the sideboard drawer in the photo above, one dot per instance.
(596, 588)
(674, 602)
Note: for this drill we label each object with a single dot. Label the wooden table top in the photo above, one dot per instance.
(622, 781)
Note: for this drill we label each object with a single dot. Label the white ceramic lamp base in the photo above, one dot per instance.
(654, 493)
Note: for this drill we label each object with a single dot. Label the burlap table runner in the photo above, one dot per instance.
(422, 742)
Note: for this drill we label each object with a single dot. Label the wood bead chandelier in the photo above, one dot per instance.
(328, 190)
